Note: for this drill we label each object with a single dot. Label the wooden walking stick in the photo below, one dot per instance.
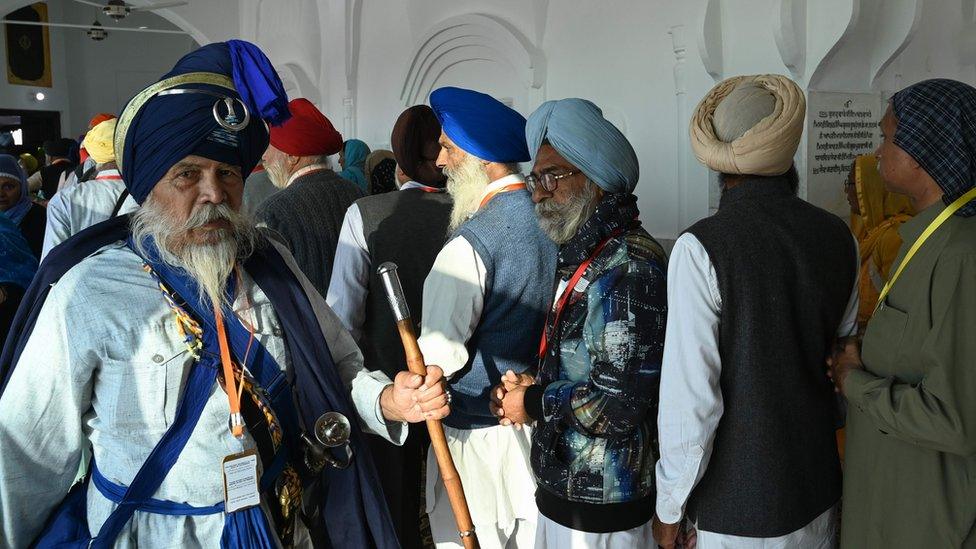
(416, 365)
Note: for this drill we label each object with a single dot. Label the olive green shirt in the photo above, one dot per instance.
(910, 471)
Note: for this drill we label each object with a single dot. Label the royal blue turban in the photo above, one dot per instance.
(175, 117)
(480, 124)
(578, 131)
(937, 127)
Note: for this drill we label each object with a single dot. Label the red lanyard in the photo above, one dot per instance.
(568, 291)
(505, 189)
(427, 189)
(110, 177)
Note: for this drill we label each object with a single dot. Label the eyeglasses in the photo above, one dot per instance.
(548, 181)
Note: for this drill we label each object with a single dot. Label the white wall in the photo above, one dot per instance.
(103, 76)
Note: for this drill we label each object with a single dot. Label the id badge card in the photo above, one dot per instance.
(242, 473)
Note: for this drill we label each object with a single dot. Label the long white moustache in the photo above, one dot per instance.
(210, 263)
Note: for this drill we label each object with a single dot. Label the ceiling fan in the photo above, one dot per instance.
(119, 10)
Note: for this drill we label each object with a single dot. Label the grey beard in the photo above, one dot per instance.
(210, 264)
(465, 184)
(561, 222)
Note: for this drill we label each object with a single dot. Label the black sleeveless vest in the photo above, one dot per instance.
(786, 270)
(409, 228)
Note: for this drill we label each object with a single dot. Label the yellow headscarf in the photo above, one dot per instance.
(99, 142)
(29, 162)
(876, 229)
(877, 203)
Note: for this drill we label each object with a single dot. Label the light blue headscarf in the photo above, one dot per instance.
(355, 153)
(10, 168)
(577, 130)
(17, 262)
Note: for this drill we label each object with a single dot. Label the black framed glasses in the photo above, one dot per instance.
(548, 181)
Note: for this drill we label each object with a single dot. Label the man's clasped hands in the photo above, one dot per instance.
(508, 399)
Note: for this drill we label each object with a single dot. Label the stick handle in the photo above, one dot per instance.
(449, 474)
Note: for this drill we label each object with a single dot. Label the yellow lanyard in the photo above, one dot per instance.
(936, 223)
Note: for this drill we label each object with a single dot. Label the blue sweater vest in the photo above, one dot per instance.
(520, 265)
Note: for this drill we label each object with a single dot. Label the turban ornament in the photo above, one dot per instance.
(214, 103)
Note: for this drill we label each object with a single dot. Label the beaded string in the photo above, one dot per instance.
(192, 334)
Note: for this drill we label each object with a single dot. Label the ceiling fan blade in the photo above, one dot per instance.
(158, 6)
(86, 27)
(88, 3)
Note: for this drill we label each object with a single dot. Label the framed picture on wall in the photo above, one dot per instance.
(29, 47)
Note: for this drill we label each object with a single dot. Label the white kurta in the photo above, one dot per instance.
(105, 366)
(80, 206)
(493, 462)
(349, 284)
(691, 402)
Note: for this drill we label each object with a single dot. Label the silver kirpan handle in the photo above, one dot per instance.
(394, 291)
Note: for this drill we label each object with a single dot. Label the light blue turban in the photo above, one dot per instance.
(578, 131)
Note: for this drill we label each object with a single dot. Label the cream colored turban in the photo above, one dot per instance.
(99, 142)
(739, 104)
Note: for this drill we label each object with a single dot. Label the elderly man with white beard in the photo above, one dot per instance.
(207, 377)
(484, 305)
(593, 401)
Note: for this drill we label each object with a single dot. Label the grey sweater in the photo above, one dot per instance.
(307, 215)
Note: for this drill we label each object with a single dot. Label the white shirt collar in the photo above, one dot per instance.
(503, 182)
(111, 172)
(412, 185)
(306, 170)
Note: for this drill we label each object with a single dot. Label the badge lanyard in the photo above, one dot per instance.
(505, 189)
(936, 223)
(568, 291)
(230, 382)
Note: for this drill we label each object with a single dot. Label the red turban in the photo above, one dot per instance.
(99, 118)
(307, 133)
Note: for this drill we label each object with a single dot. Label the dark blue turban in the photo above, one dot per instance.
(480, 124)
(937, 127)
(175, 117)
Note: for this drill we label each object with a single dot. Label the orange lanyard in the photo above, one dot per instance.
(568, 291)
(230, 382)
(505, 189)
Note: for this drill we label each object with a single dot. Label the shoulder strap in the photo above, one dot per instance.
(936, 223)
(119, 202)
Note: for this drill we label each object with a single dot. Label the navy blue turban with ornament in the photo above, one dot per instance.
(200, 108)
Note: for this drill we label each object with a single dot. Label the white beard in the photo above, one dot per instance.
(277, 174)
(466, 184)
(209, 263)
(561, 222)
